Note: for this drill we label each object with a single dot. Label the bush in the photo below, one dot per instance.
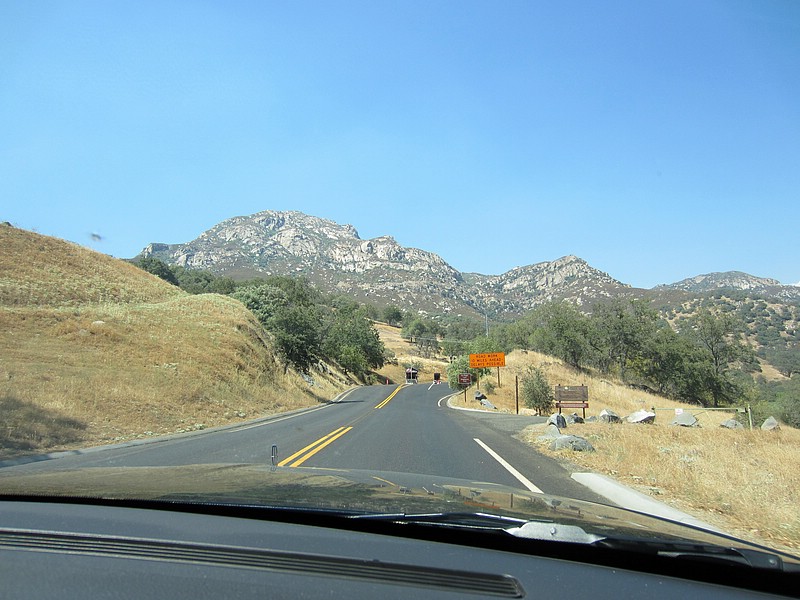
(536, 392)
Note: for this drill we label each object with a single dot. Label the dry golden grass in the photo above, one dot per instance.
(37, 270)
(745, 482)
(76, 372)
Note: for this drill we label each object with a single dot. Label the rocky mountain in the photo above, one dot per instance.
(523, 288)
(382, 272)
(735, 280)
(379, 270)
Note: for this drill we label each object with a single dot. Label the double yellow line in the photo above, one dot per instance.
(392, 395)
(313, 448)
(301, 456)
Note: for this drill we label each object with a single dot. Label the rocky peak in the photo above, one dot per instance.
(379, 270)
(735, 280)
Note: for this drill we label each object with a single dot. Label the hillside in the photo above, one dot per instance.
(94, 350)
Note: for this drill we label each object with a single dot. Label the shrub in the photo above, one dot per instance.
(536, 392)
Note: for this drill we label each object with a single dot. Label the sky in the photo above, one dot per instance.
(655, 140)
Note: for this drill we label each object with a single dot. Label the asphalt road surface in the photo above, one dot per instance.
(400, 429)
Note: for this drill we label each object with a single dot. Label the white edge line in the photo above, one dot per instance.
(522, 479)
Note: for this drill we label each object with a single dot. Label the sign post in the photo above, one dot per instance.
(465, 380)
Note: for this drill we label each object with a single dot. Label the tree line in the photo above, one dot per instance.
(705, 359)
(701, 362)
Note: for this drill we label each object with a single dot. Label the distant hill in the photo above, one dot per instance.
(736, 280)
(380, 270)
(96, 350)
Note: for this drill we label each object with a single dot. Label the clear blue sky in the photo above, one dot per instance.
(656, 140)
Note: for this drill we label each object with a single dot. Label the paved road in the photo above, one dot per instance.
(403, 429)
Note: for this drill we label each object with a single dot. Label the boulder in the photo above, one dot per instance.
(731, 424)
(558, 420)
(609, 416)
(592, 419)
(770, 424)
(685, 419)
(572, 442)
(479, 395)
(487, 404)
(574, 418)
(551, 432)
(641, 416)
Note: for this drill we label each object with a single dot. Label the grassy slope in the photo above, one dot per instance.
(94, 350)
(745, 482)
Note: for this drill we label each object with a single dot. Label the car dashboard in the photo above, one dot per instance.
(53, 549)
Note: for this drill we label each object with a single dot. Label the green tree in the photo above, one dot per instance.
(298, 290)
(287, 312)
(392, 315)
(199, 281)
(463, 329)
(264, 301)
(561, 330)
(715, 336)
(786, 360)
(296, 332)
(454, 347)
(620, 331)
(158, 268)
(458, 366)
(664, 361)
(418, 327)
(536, 391)
(352, 341)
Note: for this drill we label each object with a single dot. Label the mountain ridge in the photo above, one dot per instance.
(383, 272)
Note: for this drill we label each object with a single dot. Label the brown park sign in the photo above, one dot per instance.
(486, 360)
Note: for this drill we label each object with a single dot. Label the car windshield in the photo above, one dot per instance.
(496, 263)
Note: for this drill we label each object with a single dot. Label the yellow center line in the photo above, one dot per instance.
(392, 395)
(311, 445)
(330, 440)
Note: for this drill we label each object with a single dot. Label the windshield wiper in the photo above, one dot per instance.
(520, 528)
(552, 531)
(447, 519)
(701, 552)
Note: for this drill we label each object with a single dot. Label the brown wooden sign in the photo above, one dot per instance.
(572, 393)
(572, 396)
